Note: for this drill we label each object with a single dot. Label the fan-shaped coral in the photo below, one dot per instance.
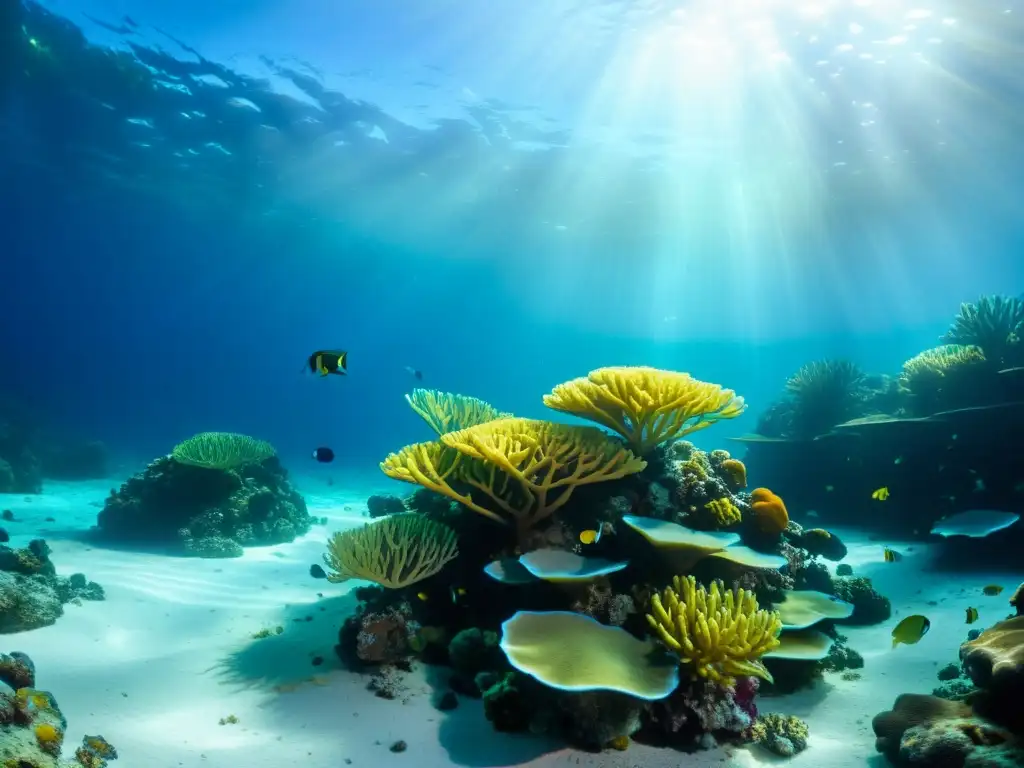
(647, 406)
(993, 323)
(221, 450)
(719, 634)
(393, 552)
(526, 468)
(448, 412)
(824, 393)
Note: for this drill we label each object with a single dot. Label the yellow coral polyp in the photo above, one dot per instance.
(49, 737)
(719, 634)
(394, 552)
(646, 406)
(724, 512)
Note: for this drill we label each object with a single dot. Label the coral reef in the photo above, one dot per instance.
(532, 557)
(202, 507)
(32, 595)
(934, 436)
(32, 735)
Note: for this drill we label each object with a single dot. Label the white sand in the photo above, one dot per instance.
(170, 652)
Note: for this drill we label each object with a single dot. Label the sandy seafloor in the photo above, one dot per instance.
(170, 652)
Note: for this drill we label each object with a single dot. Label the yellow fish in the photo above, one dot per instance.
(423, 596)
(972, 615)
(992, 590)
(881, 494)
(910, 630)
(891, 555)
(457, 592)
(590, 536)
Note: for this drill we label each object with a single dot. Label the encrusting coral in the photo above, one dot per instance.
(394, 552)
(526, 468)
(646, 406)
(449, 412)
(718, 634)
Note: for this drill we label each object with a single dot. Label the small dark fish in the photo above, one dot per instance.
(891, 555)
(7, 515)
(4, 536)
(972, 615)
(323, 455)
(328, 362)
(317, 572)
(415, 372)
(992, 590)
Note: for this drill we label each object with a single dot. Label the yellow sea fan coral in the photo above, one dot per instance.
(647, 406)
(720, 634)
(530, 468)
(221, 450)
(724, 512)
(448, 411)
(393, 552)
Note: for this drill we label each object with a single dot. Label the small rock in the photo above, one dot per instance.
(399, 746)
(447, 701)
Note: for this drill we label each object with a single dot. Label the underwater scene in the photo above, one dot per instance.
(436, 383)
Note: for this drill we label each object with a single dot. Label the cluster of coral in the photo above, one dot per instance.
(216, 493)
(599, 584)
(32, 727)
(32, 595)
(934, 435)
(976, 718)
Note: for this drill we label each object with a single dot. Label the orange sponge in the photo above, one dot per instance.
(769, 511)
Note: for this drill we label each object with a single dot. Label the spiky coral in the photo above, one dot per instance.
(526, 468)
(647, 406)
(993, 323)
(719, 634)
(824, 393)
(221, 450)
(448, 411)
(393, 552)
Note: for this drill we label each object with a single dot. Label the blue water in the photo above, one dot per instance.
(180, 230)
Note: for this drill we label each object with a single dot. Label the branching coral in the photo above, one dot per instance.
(824, 393)
(719, 634)
(222, 450)
(647, 406)
(993, 323)
(526, 468)
(448, 412)
(394, 552)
